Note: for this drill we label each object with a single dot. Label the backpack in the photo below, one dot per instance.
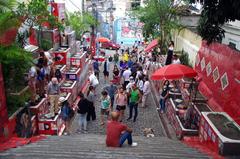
(68, 112)
(41, 74)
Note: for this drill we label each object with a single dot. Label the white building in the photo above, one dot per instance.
(232, 34)
(72, 5)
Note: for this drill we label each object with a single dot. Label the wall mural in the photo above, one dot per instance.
(131, 29)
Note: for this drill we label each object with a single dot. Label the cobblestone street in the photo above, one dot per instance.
(147, 117)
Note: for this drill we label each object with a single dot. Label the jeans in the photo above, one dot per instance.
(112, 100)
(91, 112)
(131, 106)
(162, 105)
(125, 136)
(82, 121)
(144, 98)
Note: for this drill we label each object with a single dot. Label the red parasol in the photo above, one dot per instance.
(103, 40)
(173, 71)
(152, 44)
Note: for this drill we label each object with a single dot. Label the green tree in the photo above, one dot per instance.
(214, 15)
(81, 23)
(159, 18)
(7, 5)
(8, 18)
(14, 60)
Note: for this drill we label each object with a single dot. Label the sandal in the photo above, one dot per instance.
(102, 124)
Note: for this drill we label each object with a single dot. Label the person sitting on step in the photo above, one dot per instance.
(117, 133)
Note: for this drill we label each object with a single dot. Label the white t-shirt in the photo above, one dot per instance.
(129, 86)
(126, 74)
(32, 72)
(139, 73)
(93, 80)
(146, 87)
(140, 85)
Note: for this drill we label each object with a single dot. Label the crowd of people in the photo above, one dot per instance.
(126, 87)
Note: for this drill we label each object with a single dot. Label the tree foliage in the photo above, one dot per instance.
(37, 14)
(214, 15)
(81, 23)
(8, 18)
(159, 18)
(14, 60)
(7, 5)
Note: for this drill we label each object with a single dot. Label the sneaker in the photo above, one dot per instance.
(78, 131)
(65, 133)
(129, 119)
(134, 144)
(158, 109)
(85, 131)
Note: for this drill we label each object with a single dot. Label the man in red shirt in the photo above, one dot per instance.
(118, 133)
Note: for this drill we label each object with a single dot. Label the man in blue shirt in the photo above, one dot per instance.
(96, 68)
(111, 90)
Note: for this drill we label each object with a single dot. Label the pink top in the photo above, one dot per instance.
(121, 99)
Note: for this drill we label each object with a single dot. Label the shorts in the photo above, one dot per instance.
(105, 111)
(106, 73)
(120, 107)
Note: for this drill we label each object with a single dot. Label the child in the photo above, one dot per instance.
(105, 105)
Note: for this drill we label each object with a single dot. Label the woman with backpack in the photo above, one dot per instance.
(66, 114)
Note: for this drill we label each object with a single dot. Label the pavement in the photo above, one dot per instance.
(147, 117)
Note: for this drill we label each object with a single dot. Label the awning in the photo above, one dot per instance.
(151, 45)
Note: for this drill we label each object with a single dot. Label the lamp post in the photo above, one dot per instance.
(93, 35)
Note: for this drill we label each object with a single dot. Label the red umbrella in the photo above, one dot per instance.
(103, 40)
(152, 44)
(173, 71)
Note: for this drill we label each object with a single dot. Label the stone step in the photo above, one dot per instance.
(93, 146)
(100, 148)
(99, 154)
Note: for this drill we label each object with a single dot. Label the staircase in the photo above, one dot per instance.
(90, 146)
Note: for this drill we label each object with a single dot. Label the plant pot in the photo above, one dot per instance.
(218, 130)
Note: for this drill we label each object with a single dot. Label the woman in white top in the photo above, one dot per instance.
(140, 83)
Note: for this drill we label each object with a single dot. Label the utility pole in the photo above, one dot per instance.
(93, 35)
(111, 20)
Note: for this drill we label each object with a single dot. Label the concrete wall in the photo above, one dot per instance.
(188, 41)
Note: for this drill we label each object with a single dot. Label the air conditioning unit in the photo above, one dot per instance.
(234, 44)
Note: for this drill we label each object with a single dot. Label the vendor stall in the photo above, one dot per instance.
(69, 87)
(78, 59)
(62, 56)
(54, 126)
(73, 73)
